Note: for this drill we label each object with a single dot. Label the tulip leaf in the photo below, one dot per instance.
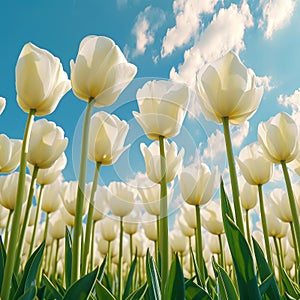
(68, 257)
(31, 269)
(197, 271)
(129, 281)
(265, 285)
(226, 288)
(195, 292)
(2, 260)
(265, 271)
(29, 294)
(153, 279)
(138, 293)
(102, 269)
(50, 289)
(291, 287)
(102, 292)
(82, 288)
(225, 201)
(175, 282)
(241, 254)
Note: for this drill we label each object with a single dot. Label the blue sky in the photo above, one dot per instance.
(165, 39)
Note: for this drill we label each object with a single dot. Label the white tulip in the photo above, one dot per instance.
(2, 104)
(212, 218)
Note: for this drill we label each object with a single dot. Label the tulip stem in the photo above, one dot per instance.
(292, 202)
(46, 227)
(120, 275)
(199, 246)
(294, 242)
(55, 259)
(233, 176)
(221, 251)
(88, 228)
(11, 211)
(131, 247)
(157, 240)
(11, 253)
(92, 247)
(80, 194)
(279, 265)
(264, 225)
(109, 258)
(163, 226)
(191, 256)
(248, 229)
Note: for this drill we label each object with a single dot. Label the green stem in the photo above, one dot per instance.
(181, 259)
(157, 240)
(55, 259)
(92, 247)
(279, 265)
(163, 226)
(248, 229)
(265, 226)
(109, 258)
(12, 245)
(191, 258)
(7, 227)
(221, 251)
(87, 242)
(295, 243)
(50, 257)
(281, 251)
(80, 194)
(292, 203)
(131, 248)
(199, 247)
(46, 227)
(233, 176)
(120, 275)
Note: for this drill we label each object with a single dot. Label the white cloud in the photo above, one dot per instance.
(276, 15)
(145, 28)
(188, 13)
(265, 82)
(215, 146)
(239, 133)
(292, 101)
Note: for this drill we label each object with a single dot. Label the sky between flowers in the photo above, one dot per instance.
(165, 39)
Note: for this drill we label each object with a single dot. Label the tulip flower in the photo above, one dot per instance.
(212, 218)
(162, 105)
(10, 154)
(40, 80)
(2, 104)
(152, 160)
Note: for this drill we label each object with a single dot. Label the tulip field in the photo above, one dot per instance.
(77, 240)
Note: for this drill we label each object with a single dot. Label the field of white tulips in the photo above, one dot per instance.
(72, 240)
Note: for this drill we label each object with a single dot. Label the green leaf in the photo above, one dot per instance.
(50, 288)
(265, 271)
(152, 278)
(226, 288)
(225, 201)
(129, 281)
(265, 285)
(197, 271)
(68, 257)
(291, 287)
(82, 288)
(175, 282)
(195, 292)
(29, 275)
(29, 294)
(241, 254)
(102, 292)
(2, 260)
(138, 293)
(102, 269)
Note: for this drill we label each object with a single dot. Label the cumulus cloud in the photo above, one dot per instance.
(293, 102)
(239, 133)
(276, 15)
(265, 82)
(145, 28)
(188, 14)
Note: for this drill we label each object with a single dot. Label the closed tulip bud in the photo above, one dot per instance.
(279, 139)
(140, 244)
(8, 190)
(214, 244)
(57, 226)
(103, 247)
(100, 71)
(227, 89)
(212, 218)
(189, 215)
(49, 175)
(275, 226)
(121, 198)
(183, 226)
(10, 154)
(163, 105)
(248, 195)
(32, 216)
(197, 184)
(100, 203)
(46, 144)
(106, 138)
(2, 104)
(150, 229)
(152, 160)
(250, 157)
(68, 218)
(109, 229)
(280, 204)
(40, 80)
(178, 241)
(131, 222)
(51, 197)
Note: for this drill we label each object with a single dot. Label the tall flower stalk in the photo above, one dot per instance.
(199, 247)
(12, 245)
(120, 262)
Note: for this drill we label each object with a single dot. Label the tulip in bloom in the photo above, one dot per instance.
(100, 203)
(249, 195)
(10, 154)
(178, 241)
(51, 197)
(46, 144)
(163, 105)
(101, 71)
(197, 184)
(227, 89)
(2, 104)
(106, 138)
(152, 160)
(279, 138)
(40, 80)
(57, 226)
(109, 229)
(212, 218)
(280, 204)
(255, 168)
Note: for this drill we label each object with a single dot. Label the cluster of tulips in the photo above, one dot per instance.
(79, 240)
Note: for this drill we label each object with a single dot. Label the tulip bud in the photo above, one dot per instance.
(2, 104)
(189, 215)
(163, 106)
(131, 222)
(68, 218)
(100, 203)
(178, 241)
(280, 204)
(40, 80)
(212, 218)
(109, 229)
(57, 226)
(183, 226)
(51, 197)
(150, 229)
(248, 195)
